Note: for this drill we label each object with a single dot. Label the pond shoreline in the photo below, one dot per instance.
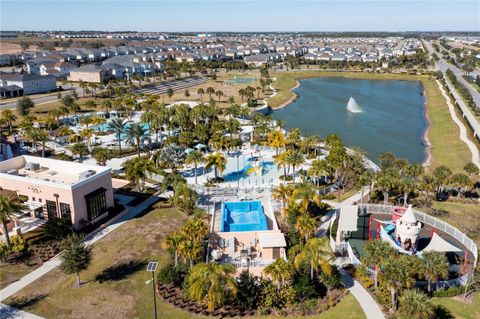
(427, 158)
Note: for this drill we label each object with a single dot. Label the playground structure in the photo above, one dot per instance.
(409, 232)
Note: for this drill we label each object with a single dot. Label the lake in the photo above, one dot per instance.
(388, 116)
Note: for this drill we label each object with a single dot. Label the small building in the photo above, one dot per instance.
(16, 84)
(76, 192)
(91, 73)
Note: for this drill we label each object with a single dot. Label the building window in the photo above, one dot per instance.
(33, 199)
(65, 212)
(40, 200)
(51, 209)
(96, 203)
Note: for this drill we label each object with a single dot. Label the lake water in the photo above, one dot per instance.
(391, 117)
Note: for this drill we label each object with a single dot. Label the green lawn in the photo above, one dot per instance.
(460, 309)
(463, 216)
(10, 273)
(115, 288)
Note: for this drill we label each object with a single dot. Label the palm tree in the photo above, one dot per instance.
(377, 252)
(135, 132)
(283, 192)
(191, 250)
(294, 158)
(219, 94)
(8, 205)
(195, 229)
(136, 170)
(306, 194)
(79, 149)
(276, 139)
(101, 155)
(280, 271)
(196, 157)
(218, 161)
(441, 175)
(414, 304)
(386, 181)
(461, 182)
(318, 168)
(201, 92)
(118, 125)
(43, 137)
(173, 242)
(306, 226)
(471, 169)
(210, 91)
(366, 179)
(32, 134)
(318, 253)
(281, 161)
(436, 267)
(212, 282)
(8, 117)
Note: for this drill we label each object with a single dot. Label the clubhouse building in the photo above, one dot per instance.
(53, 188)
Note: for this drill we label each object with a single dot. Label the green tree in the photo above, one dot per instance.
(187, 93)
(79, 149)
(217, 161)
(318, 254)
(118, 125)
(137, 169)
(441, 175)
(201, 92)
(196, 157)
(461, 182)
(76, 256)
(24, 105)
(43, 136)
(376, 253)
(173, 242)
(8, 206)
(306, 226)
(280, 271)
(294, 158)
(212, 283)
(170, 93)
(471, 169)
(414, 304)
(135, 132)
(436, 267)
(101, 155)
(7, 117)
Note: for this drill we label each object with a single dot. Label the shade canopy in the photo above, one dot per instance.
(271, 240)
(439, 244)
(348, 219)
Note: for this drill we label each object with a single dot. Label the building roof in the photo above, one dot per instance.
(348, 218)
(269, 240)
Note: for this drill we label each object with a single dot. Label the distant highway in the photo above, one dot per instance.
(443, 66)
(37, 99)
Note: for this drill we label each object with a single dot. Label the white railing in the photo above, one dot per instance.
(434, 222)
(353, 259)
(248, 263)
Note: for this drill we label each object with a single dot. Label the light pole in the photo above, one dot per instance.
(151, 267)
(238, 173)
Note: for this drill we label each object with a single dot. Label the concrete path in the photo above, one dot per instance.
(7, 312)
(366, 301)
(102, 231)
(463, 130)
(368, 304)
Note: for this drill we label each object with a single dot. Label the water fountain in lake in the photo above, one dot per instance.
(353, 107)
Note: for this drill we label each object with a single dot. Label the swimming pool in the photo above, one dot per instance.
(243, 216)
(106, 128)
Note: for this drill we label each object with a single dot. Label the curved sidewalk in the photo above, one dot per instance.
(368, 304)
(463, 130)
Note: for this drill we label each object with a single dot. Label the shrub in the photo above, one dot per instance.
(18, 244)
(172, 275)
(304, 287)
(249, 291)
(449, 292)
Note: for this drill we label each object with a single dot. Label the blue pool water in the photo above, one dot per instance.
(105, 128)
(243, 216)
(234, 176)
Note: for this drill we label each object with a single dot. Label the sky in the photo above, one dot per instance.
(236, 15)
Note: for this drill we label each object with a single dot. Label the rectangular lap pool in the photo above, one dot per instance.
(243, 216)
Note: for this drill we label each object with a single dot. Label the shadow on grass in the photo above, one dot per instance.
(26, 301)
(121, 271)
(440, 312)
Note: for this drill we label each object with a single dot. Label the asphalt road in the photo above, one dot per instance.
(37, 99)
(443, 66)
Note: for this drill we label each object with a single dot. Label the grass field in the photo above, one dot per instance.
(10, 273)
(463, 216)
(115, 283)
(460, 309)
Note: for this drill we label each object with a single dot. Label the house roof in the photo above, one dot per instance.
(437, 243)
(268, 240)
